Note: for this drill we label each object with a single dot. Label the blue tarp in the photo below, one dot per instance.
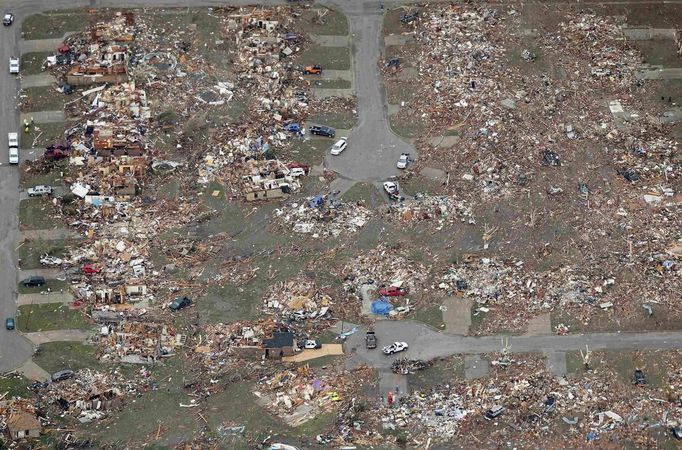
(381, 307)
(316, 201)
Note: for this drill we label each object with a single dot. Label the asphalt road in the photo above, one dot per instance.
(373, 149)
(426, 343)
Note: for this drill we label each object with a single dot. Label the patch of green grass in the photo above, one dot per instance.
(331, 84)
(334, 23)
(431, 316)
(50, 316)
(42, 135)
(344, 120)
(53, 24)
(34, 214)
(56, 356)
(360, 192)
(331, 58)
(624, 363)
(318, 425)
(392, 23)
(443, 371)
(407, 127)
(310, 151)
(477, 318)
(399, 91)
(29, 252)
(53, 285)
(42, 98)
(139, 421)
(32, 63)
(226, 304)
(14, 385)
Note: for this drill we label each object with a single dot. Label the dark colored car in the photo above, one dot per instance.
(33, 281)
(322, 131)
(494, 412)
(180, 303)
(9, 323)
(62, 375)
(639, 377)
(371, 340)
(408, 18)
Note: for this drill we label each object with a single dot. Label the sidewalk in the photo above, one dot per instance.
(41, 337)
(41, 299)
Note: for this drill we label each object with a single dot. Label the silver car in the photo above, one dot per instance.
(14, 65)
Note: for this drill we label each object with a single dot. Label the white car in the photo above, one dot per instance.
(340, 146)
(47, 260)
(13, 143)
(391, 188)
(13, 65)
(395, 348)
(8, 19)
(36, 191)
(311, 344)
(403, 161)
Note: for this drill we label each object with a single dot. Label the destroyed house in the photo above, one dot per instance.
(21, 425)
(281, 344)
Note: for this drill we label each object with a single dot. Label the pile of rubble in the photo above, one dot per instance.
(323, 216)
(406, 366)
(301, 395)
(444, 209)
(223, 347)
(90, 394)
(138, 342)
(385, 265)
(298, 300)
(510, 293)
(536, 405)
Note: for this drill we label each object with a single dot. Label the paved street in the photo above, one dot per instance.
(426, 343)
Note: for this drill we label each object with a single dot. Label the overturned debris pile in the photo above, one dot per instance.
(406, 366)
(323, 216)
(443, 209)
(90, 394)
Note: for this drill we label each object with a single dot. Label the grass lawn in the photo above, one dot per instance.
(50, 316)
(392, 23)
(624, 363)
(54, 285)
(407, 127)
(332, 58)
(34, 214)
(29, 252)
(42, 134)
(28, 178)
(43, 98)
(362, 192)
(331, 84)
(344, 120)
(31, 63)
(56, 356)
(14, 386)
(311, 151)
(431, 316)
(54, 24)
(334, 23)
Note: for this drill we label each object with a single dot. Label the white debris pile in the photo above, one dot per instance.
(323, 216)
